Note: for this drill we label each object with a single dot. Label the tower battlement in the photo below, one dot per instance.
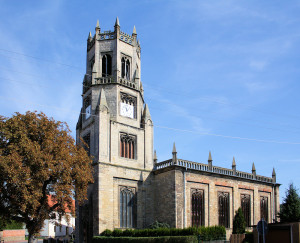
(130, 39)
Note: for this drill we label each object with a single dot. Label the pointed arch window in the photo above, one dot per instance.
(87, 143)
(127, 146)
(87, 107)
(125, 72)
(246, 209)
(197, 208)
(223, 198)
(92, 62)
(127, 207)
(264, 208)
(106, 65)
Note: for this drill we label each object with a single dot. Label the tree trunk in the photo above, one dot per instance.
(32, 239)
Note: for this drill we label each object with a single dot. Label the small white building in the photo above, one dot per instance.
(59, 227)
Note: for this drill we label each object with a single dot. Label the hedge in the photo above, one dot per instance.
(163, 239)
(12, 225)
(206, 233)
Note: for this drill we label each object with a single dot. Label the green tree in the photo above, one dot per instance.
(239, 223)
(290, 209)
(38, 158)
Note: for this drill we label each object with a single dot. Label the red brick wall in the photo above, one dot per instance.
(13, 235)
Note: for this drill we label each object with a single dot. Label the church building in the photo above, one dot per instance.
(132, 189)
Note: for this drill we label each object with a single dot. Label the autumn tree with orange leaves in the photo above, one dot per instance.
(38, 158)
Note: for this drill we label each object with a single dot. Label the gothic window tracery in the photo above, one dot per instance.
(264, 208)
(106, 65)
(197, 207)
(245, 205)
(127, 146)
(223, 198)
(125, 72)
(127, 207)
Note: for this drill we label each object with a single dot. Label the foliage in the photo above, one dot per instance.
(10, 225)
(206, 233)
(290, 209)
(157, 225)
(164, 239)
(239, 223)
(249, 238)
(38, 158)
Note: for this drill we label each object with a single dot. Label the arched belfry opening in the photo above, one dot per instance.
(125, 68)
(106, 65)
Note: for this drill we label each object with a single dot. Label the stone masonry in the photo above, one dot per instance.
(132, 189)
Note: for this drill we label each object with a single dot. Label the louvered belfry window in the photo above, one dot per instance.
(127, 207)
(245, 205)
(223, 198)
(264, 208)
(127, 146)
(197, 208)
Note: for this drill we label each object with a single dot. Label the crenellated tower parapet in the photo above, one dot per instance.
(113, 57)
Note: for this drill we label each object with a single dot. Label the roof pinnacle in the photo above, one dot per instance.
(209, 157)
(233, 162)
(253, 167)
(155, 156)
(174, 148)
(98, 26)
(117, 22)
(273, 173)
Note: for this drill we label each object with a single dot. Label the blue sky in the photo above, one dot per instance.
(219, 76)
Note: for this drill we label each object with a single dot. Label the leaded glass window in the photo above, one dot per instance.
(264, 208)
(245, 205)
(223, 198)
(197, 207)
(127, 207)
(127, 146)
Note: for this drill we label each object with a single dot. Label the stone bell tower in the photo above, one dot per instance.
(116, 125)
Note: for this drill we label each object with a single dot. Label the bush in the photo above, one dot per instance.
(10, 225)
(163, 239)
(249, 238)
(106, 232)
(239, 223)
(117, 233)
(206, 233)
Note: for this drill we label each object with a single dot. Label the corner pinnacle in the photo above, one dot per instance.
(103, 101)
(146, 113)
(273, 173)
(98, 26)
(134, 30)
